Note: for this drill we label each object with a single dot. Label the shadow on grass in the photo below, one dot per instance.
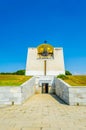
(58, 99)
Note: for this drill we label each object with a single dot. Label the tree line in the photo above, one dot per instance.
(22, 72)
(18, 72)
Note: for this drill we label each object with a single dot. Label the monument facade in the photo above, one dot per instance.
(45, 60)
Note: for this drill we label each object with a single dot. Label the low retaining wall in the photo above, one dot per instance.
(28, 89)
(11, 94)
(62, 90)
(71, 95)
(17, 94)
(77, 95)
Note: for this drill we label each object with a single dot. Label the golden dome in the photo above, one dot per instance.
(45, 49)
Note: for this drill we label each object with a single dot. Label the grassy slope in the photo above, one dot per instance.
(76, 80)
(13, 80)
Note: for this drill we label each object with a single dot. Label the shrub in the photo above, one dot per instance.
(62, 76)
(68, 72)
(20, 72)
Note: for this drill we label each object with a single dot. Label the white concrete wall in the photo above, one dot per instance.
(62, 90)
(46, 79)
(35, 66)
(49, 80)
(10, 94)
(77, 95)
(17, 94)
(71, 95)
(28, 89)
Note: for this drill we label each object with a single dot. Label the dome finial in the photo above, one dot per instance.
(45, 41)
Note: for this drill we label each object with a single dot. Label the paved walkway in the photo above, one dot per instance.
(43, 112)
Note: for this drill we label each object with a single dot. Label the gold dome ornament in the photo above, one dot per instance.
(45, 50)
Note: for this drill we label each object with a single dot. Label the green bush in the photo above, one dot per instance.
(20, 72)
(68, 72)
(62, 76)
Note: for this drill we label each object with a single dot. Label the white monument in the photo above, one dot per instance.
(45, 60)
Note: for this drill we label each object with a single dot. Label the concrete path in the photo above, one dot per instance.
(43, 112)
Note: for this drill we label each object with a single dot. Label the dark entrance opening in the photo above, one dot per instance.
(45, 87)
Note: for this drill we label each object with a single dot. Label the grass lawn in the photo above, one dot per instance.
(78, 80)
(13, 80)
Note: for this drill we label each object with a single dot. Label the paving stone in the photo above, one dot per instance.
(52, 128)
(8, 128)
(31, 128)
(43, 112)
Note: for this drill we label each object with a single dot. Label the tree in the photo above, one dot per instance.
(68, 72)
(20, 72)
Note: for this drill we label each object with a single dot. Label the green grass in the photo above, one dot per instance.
(13, 80)
(78, 80)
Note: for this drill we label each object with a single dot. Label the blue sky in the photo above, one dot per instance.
(27, 23)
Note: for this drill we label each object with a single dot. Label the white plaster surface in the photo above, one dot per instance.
(35, 66)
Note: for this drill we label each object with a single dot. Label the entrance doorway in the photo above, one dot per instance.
(45, 87)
